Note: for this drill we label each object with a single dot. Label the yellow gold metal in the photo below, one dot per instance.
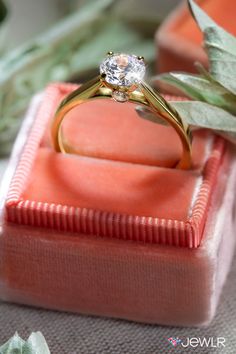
(146, 96)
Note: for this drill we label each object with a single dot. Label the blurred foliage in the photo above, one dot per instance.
(3, 11)
(3, 22)
(71, 50)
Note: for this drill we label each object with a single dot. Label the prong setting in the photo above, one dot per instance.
(123, 72)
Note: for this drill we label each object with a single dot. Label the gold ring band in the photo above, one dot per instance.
(142, 94)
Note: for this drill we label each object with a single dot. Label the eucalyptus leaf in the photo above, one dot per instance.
(36, 344)
(147, 114)
(220, 46)
(214, 91)
(204, 115)
(200, 88)
(13, 345)
(203, 71)
(199, 115)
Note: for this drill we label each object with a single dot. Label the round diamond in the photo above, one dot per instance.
(123, 69)
(120, 96)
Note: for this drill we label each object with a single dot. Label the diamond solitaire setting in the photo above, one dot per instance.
(122, 70)
(122, 79)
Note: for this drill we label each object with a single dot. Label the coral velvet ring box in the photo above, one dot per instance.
(116, 231)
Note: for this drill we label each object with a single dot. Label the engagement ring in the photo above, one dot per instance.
(121, 78)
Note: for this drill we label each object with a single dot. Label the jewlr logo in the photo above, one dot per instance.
(194, 342)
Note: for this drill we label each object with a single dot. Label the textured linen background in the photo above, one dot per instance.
(74, 334)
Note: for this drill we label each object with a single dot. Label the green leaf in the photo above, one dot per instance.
(13, 346)
(215, 91)
(204, 115)
(147, 114)
(200, 88)
(36, 344)
(220, 46)
(199, 115)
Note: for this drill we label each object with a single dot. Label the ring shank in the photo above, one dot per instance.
(145, 97)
